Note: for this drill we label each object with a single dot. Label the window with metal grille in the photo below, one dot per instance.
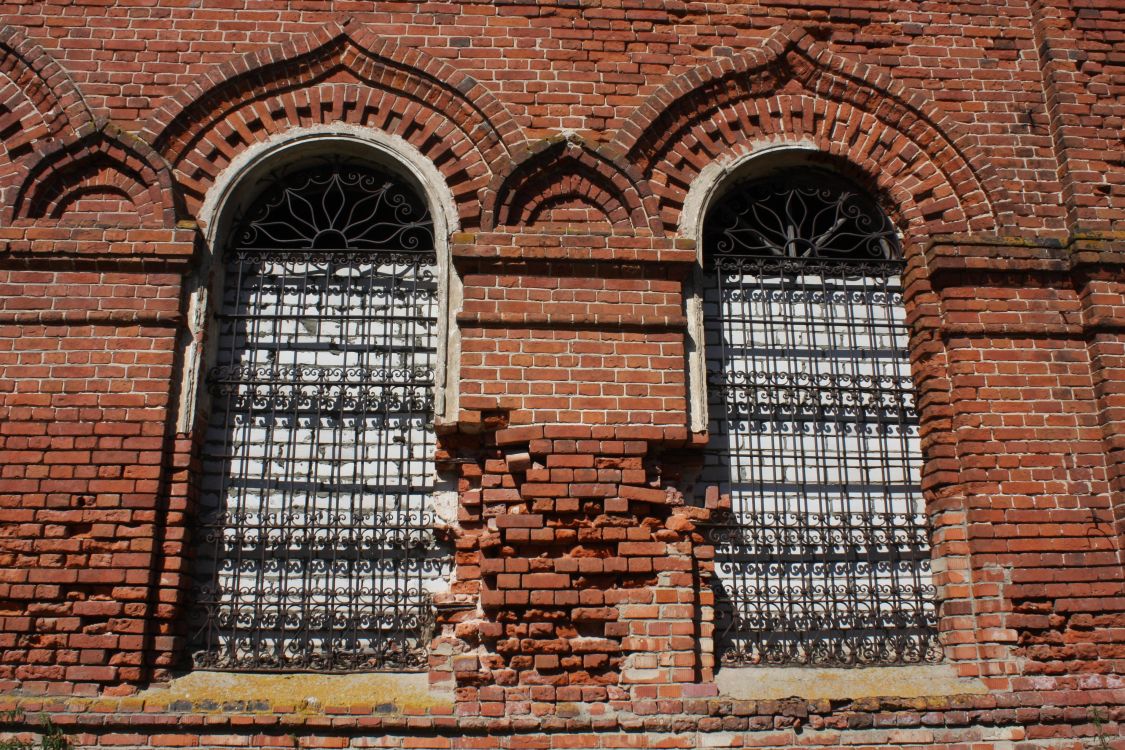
(824, 557)
(316, 537)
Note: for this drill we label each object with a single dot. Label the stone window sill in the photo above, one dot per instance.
(408, 692)
(813, 683)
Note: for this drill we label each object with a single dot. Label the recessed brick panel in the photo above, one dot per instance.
(569, 136)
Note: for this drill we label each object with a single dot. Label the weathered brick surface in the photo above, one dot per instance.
(588, 573)
(83, 445)
(569, 135)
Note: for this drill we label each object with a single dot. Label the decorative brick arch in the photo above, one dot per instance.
(44, 83)
(564, 180)
(340, 74)
(103, 176)
(796, 90)
(796, 99)
(39, 103)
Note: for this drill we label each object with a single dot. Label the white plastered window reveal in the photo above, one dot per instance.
(311, 512)
(826, 530)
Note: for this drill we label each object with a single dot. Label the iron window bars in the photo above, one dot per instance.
(317, 547)
(824, 557)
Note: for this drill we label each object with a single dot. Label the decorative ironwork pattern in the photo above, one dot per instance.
(318, 548)
(824, 557)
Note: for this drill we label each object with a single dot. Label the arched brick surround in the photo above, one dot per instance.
(39, 104)
(103, 176)
(44, 84)
(567, 171)
(796, 89)
(345, 74)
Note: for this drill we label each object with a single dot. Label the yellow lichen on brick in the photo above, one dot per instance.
(408, 692)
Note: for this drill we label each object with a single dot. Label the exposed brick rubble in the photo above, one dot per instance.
(589, 575)
(569, 148)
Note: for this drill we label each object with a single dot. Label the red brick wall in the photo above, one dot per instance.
(87, 365)
(568, 135)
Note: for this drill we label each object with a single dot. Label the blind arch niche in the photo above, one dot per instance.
(317, 535)
(824, 556)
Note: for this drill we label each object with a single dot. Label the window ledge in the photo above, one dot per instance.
(407, 691)
(812, 683)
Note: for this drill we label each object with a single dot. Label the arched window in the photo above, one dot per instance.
(824, 557)
(316, 537)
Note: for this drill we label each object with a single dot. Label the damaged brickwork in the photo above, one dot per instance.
(570, 150)
(589, 575)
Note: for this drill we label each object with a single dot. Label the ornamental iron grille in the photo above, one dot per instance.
(824, 556)
(318, 548)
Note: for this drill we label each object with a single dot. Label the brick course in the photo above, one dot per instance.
(569, 135)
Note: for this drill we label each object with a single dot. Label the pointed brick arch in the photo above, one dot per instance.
(796, 90)
(567, 176)
(44, 84)
(340, 74)
(39, 106)
(103, 176)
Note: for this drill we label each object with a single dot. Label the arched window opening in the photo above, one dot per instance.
(824, 557)
(316, 542)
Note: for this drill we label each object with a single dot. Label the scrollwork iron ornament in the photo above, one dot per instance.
(809, 216)
(336, 207)
(824, 557)
(317, 543)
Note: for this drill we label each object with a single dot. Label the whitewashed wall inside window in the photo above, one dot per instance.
(318, 547)
(824, 558)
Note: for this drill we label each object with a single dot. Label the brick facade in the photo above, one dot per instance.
(569, 137)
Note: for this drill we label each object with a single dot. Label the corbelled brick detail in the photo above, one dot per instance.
(354, 75)
(570, 135)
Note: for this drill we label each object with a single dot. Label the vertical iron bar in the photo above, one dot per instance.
(835, 469)
(323, 560)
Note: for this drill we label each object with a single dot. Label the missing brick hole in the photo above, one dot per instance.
(12, 129)
(92, 593)
(94, 625)
(590, 629)
(19, 152)
(922, 196)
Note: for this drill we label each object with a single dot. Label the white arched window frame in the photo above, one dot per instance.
(324, 374)
(800, 373)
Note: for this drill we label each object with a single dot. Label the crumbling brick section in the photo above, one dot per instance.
(590, 573)
(1056, 640)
